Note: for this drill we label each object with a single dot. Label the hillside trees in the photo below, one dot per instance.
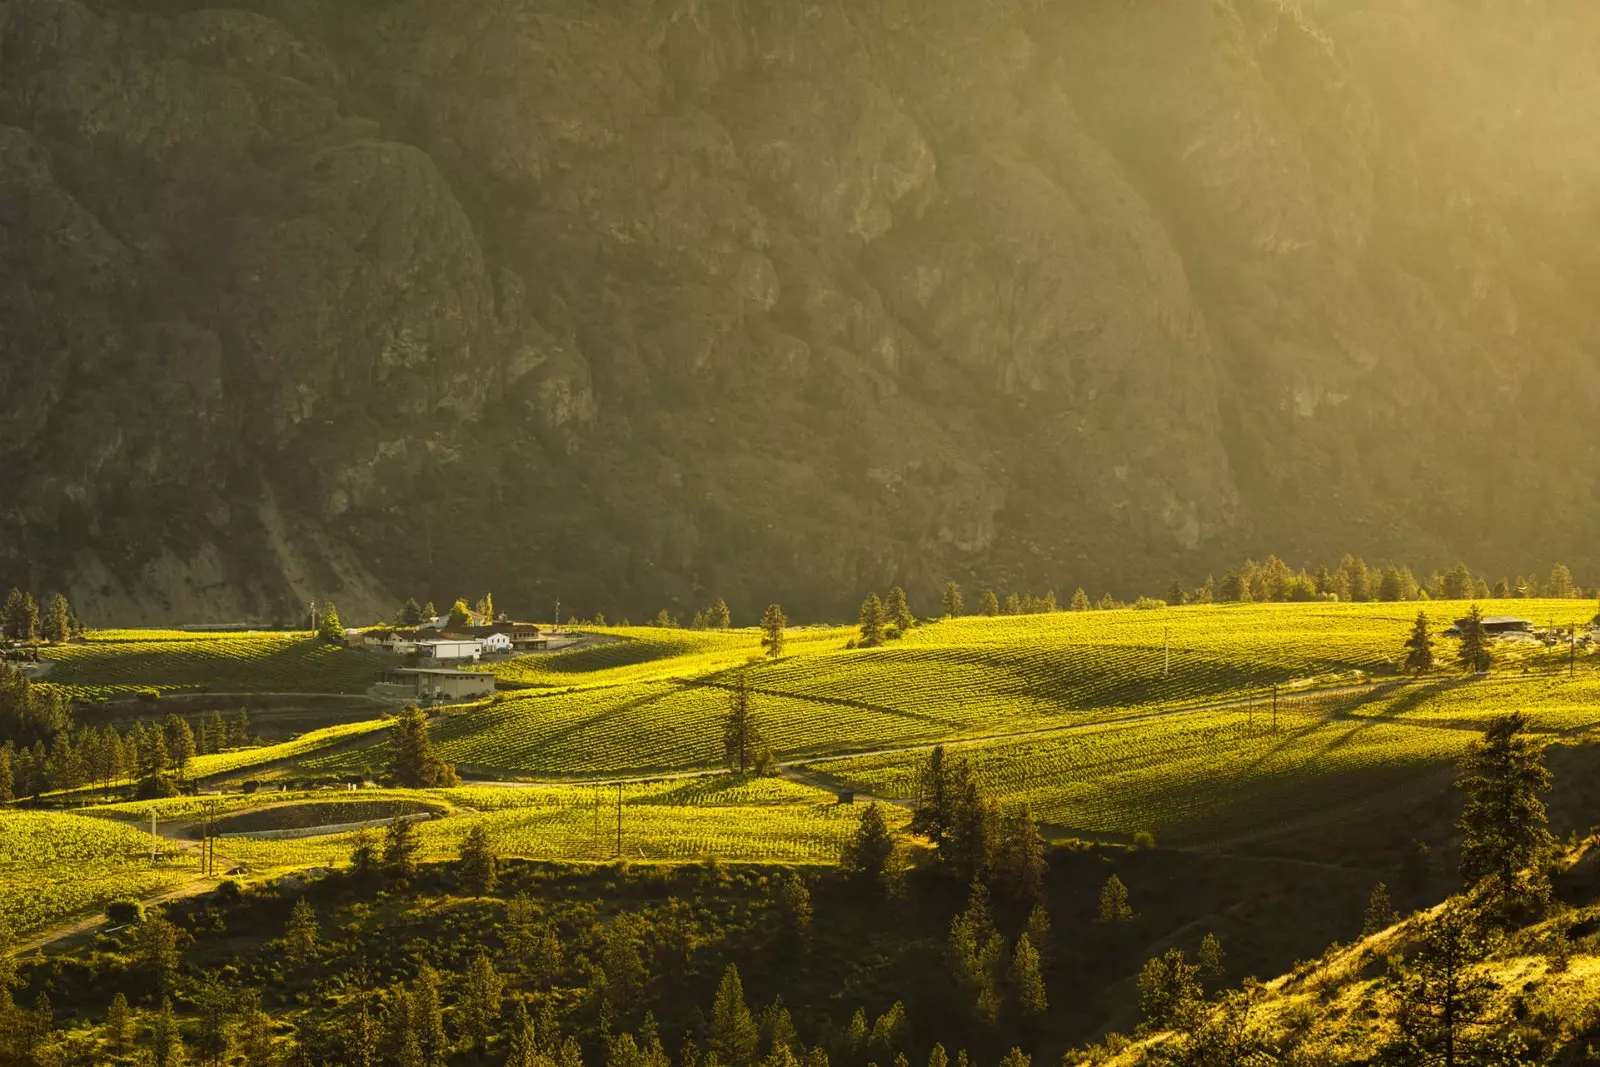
(734, 1038)
(410, 613)
(329, 628)
(1503, 822)
(57, 624)
(974, 839)
(772, 627)
(950, 602)
(989, 604)
(476, 868)
(415, 764)
(460, 616)
(1419, 646)
(744, 747)
(718, 617)
(1445, 1007)
(898, 610)
(871, 619)
(19, 618)
(869, 855)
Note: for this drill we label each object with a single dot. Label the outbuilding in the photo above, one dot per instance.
(423, 683)
(448, 650)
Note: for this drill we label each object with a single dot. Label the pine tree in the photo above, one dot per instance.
(941, 781)
(1169, 992)
(329, 628)
(480, 1007)
(524, 1045)
(970, 839)
(867, 856)
(57, 625)
(476, 867)
(166, 1041)
(118, 1029)
(1019, 859)
(179, 739)
(794, 911)
(718, 617)
(239, 729)
(898, 610)
(400, 848)
(1114, 907)
(1210, 961)
(414, 764)
(300, 936)
(734, 1038)
(988, 604)
(1080, 601)
(1027, 979)
(1474, 654)
(1013, 604)
(743, 746)
(1419, 646)
(950, 603)
(156, 952)
(19, 619)
(871, 621)
(977, 954)
(410, 613)
(213, 1004)
(1038, 931)
(1503, 823)
(1380, 912)
(1445, 1007)
(772, 627)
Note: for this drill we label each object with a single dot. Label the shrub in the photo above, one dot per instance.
(230, 890)
(156, 787)
(251, 786)
(1144, 840)
(147, 696)
(124, 912)
(1146, 603)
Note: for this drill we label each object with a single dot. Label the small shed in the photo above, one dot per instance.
(448, 649)
(1496, 625)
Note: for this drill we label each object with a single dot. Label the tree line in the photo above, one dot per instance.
(22, 621)
(149, 753)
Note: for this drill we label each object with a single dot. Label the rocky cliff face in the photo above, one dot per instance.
(641, 302)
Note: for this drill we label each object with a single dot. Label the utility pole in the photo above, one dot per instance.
(152, 838)
(619, 820)
(1572, 639)
(1166, 655)
(556, 627)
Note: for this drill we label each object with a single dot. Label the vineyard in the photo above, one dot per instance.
(55, 866)
(111, 664)
(1201, 777)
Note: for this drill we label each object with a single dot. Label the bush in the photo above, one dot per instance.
(156, 787)
(1146, 603)
(1144, 840)
(148, 696)
(230, 890)
(251, 786)
(124, 912)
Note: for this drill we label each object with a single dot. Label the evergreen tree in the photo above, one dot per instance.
(255, 1034)
(718, 617)
(1354, 579)
(429, 612)
(213, 1005)
(525, 1050)
(1235, 588)
(480, 1006)
(1013, 604)
(871, 621)
(1419, 646)
(977, 954)
(363, 853)
(300, 936)
(1380, 912)
(1038, 931)
(1209, 960)
(1474, 654)
(460, 616)
(329, 628)
(950, 603)
(179, 741)
(118, 1030)
(941, 782)
(20, 617)
(970, 839)
(743, 746)
(1560, 584)
(166, 1040)
(1169, 992)
(1445, 1008)
(426, 1016)
(867, 856)
(1019, 859)
(794, 911)
(898, 610)
(1016, 1058)
(1503, 822)
(1114, 907)
(400, 848)
(156, 953)
(57, 625)
(772, 627)
(414, 764)
(988, 604)
(734, 1038)
(1080, 600)
(239, 729)
(1027, 979)
(476, 867)
(410, 613)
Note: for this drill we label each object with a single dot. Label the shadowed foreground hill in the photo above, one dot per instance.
(747, 298)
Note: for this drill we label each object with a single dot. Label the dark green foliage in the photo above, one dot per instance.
(1027, 979)
(124, 912)
(1503, 822)
(868, 856)
(414, 764)
(939, 783)
(156, 949)
(1419, 646)
(1474, 654)
(57, 623)
(1018, 865)
(718, 617)
(410, 613)
(772, 627)
(1169, 992)
(477, 867)
(400, 848)
(300, 936)
(329, 628)
(1380, 911)
(898, 610)
(19, 618)
(989, 604)
(1114, 906)
(734, 1037)
(950, 603)
(794, 911)
(744, 747)
(871, 619)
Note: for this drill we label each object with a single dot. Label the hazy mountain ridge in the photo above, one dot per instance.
(644, 303)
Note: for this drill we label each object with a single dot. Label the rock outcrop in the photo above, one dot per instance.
(643, 302)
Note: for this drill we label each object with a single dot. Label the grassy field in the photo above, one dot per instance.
(54, 866)
(119, 663)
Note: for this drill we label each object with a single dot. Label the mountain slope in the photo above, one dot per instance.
(646, 302)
